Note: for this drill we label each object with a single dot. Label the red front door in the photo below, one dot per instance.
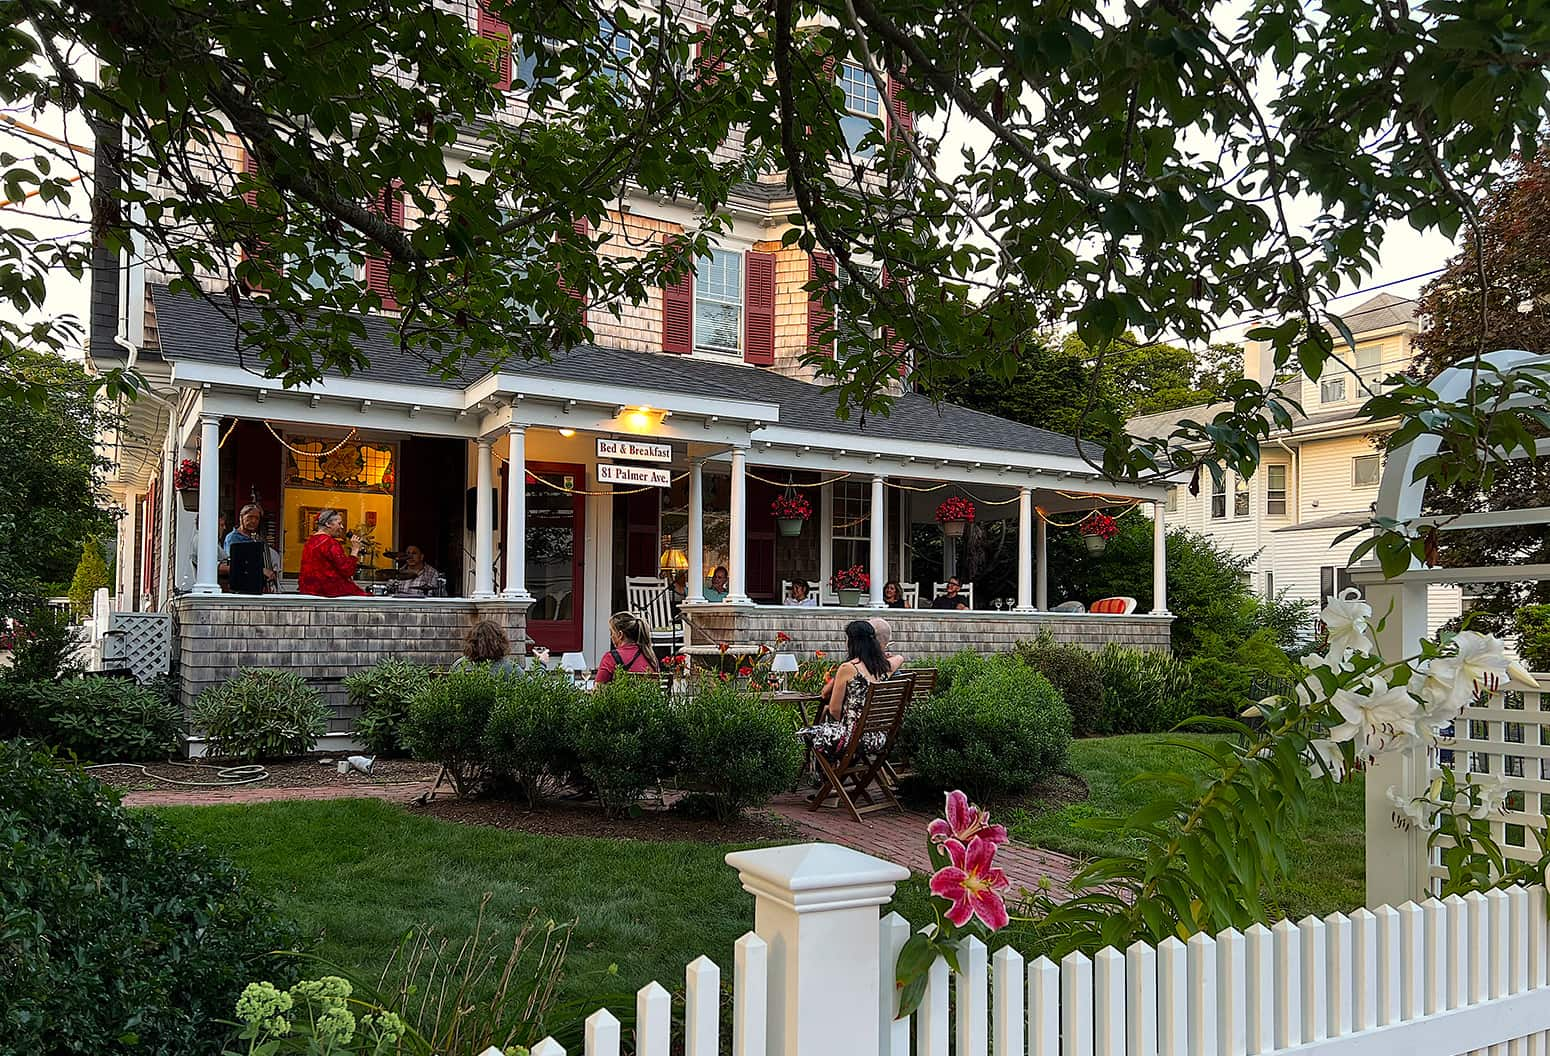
(555, 537)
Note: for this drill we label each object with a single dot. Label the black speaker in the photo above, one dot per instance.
(471, 511)
(247, 568)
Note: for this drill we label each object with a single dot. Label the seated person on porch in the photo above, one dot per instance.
(716, 589)
(951, 599)
(800, 594)
(893, 595)
(420, 578)
(629, 650)
(326, 570)
(679, 588)
(487, 643)
(865, 663)
(248, 520)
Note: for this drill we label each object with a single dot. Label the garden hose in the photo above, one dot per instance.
(226, 776)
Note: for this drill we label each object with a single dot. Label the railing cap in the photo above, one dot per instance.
(817, 877)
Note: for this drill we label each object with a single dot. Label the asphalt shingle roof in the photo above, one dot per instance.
(192, 329)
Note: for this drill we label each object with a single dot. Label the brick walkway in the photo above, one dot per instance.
(901, 838)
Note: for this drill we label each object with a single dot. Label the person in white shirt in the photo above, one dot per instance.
(800, 594)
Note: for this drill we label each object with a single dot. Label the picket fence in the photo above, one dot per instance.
(815, 978)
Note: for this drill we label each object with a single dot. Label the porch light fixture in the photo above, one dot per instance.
(641, 418)
(567, 433)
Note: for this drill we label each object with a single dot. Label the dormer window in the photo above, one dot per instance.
(863, 109)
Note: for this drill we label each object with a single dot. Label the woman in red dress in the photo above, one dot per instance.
(326, 570)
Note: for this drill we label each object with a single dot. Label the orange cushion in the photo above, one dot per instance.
(1115, 605)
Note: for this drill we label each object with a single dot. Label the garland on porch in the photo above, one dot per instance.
(1132, 508)
(583, 491)
(307, 454)
(787, 483)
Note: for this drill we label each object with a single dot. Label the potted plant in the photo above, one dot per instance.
(848, 583)
(186, 480)
(955, 515)
(791, 511)
(1097, 530)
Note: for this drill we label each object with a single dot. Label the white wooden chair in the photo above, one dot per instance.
(965, 591)
(812, 591)
(911, 594)
(650, 600)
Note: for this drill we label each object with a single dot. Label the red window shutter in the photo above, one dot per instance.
(895, 345)
(759, 308)
(251, 248)
(249, 168)
(899, 115)
(389, 204)
(678, 315)
(820, 316)
(496, 31)
(707, 61)
(583, 227)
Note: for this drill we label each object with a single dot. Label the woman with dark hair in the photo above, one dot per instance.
(486, 644)
(865, 663)
(629, 650)
(893, 595)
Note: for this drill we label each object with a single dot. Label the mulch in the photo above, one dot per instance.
(586, 818)
(319, 770)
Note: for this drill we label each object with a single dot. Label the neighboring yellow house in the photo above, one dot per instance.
(1317, 480)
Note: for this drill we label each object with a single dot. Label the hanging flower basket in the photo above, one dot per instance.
(1097, 530)
(185, 479)
(791, 511)
(955, 515)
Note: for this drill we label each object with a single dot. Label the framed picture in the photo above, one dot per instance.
(307, 520)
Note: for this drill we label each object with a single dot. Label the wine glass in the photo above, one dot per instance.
(996, 604)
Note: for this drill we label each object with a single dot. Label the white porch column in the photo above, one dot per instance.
(737, 543)
(694, 591)
(1159, 560)
(816, 909)
(516, 515)
(879, 543)
(1025, 550)
(1041, 530)
(484, 522)
(209, 543)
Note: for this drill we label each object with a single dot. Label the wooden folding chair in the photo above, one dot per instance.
(925, 686)
(858, 772)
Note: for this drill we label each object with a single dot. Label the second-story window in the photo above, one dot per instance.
(1218, 498)
(1172, 505)
(1240, 498)
(617, 49)
(718, 302)
(863, 106)
(1332, 390)
(1275, 490)
(848, 333)
(1365, 471)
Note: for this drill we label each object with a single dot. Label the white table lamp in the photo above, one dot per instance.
(574, 662)
(785, 665)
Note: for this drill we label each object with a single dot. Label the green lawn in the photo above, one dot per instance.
(1327, 860)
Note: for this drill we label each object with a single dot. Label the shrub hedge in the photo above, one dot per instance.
(526, 738)
(98, 719)
(1074, 673)
(447, 720)
(626, 736)
(736, 749)
(382, 693)
(261, 713)
(118, 937)
(1143, 692)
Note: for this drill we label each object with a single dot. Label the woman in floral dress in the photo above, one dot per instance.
(865, 663)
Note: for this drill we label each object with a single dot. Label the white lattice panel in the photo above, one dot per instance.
(1508, 736)
(140, 641)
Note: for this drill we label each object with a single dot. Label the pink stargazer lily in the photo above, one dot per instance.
(971, 883)
(964, 822)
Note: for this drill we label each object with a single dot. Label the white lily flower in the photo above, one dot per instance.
(1482, 659)
(1521, 675)
(1492, 794)
(1348, 619)
(1334, 660)
(1444, 689)
(1411, 811)
(1327, 759)
(1376, 720)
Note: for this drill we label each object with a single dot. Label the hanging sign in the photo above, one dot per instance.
(635, 476)
(639, 450)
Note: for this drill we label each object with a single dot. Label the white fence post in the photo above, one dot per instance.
(816, 906)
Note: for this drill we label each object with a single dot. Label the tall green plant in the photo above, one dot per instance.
(626, 738)
(447, 721)
(260, 713)
(737, 748)
(382, 694)
(91, 572)
(1144, 691)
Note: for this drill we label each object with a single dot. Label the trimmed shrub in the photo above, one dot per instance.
(626, 740)
(119, 938)
(961, 666)
(99, 719)
(447, 720)
(1074, 673)
(525, 739)
(1143, 692)
(1532, 623)
(737, 748)
(1218, 688)
(262, 713)
(44, 646)
(996, 733)
(91, 572)
(383, 692)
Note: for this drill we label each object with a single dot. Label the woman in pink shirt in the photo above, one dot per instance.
(630, 649)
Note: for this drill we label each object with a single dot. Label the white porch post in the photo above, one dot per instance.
(209, 543)
(516, 515)
(1159, 560)
(1041, 530)
(737, 544)
(484, 522)
(816, 907)
(1025, 550)
(694, 591)
(879, 542)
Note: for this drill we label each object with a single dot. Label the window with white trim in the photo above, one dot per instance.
(1172, 505)
(1332, 390)
(1240, 497)
(1218, 498)
(718, 303)
(852, 524)
(863, 107)
(1365, 471)
(1275, 489)
(618, 50)
(847, 334)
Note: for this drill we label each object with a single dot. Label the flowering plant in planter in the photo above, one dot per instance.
(956, 508)
(186, 477)
(792, 507)
(852, 578)
(1101, 525)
